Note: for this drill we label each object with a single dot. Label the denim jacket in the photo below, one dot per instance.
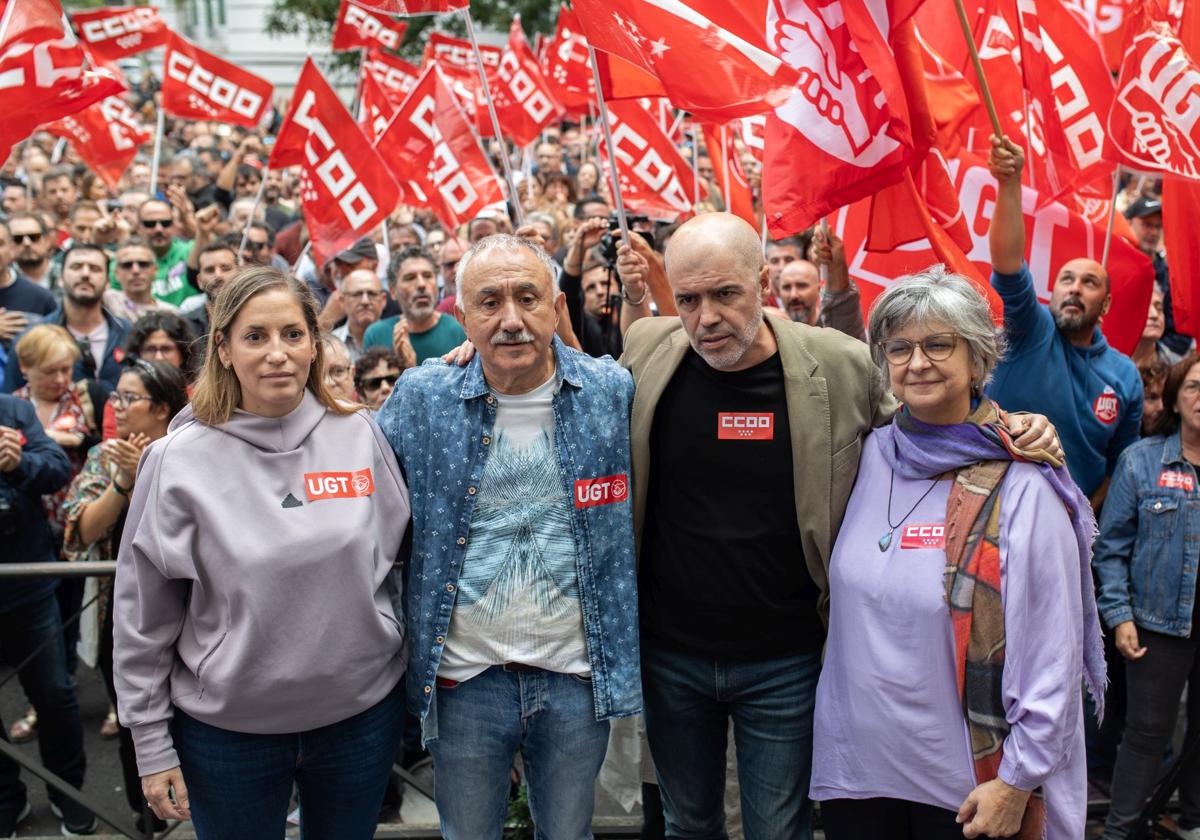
(1149, 544)
(439, 421)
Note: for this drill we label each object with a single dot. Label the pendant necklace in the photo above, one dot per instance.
(886, 539)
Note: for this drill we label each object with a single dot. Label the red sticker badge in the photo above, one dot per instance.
(1177, 479)
(590, 492)
(339, 485)
(1107, 407)
(739, 425)
(924, 536)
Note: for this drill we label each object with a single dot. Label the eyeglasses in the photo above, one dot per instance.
(369, 294)
(31, 238)
(376, 382)
(337, 371)
(257, 246)
(124, 399)
(1191, 388)
(125, 265)
(151, 224)
(936, 348)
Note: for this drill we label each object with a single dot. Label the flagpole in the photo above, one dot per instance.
(387, 244)
(157, 156)
(300, 259)
(356, 105)
(983, 85)
(823, 268)
(695, 171)
(1112, 212)
(487, 95)
(726, 161)
(262, 185)
(608, 145)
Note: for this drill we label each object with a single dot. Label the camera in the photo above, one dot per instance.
(611, 241)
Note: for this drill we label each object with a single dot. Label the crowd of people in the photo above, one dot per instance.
(477, 493)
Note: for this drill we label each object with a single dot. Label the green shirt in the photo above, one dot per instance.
(446, 334)
(170, 283)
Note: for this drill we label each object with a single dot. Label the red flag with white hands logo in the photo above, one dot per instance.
(198, 85)
(396, 77)
(117, 31)
(727, 172)
(105, 135)
(431, 150)
(654, 177)
(1055, 234)
(1155, 118)
(346, 189)
(43, 72)
(359, 27)
(525, 100)
(847, 120)
(565, 64)
(375, 109)
(711, 56)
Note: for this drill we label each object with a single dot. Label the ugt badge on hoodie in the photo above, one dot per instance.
(339, 485)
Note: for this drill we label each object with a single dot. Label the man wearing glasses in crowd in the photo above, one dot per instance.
(157, 222)
(451, 252)
(363, 299)
(32, 248)
(134, 272)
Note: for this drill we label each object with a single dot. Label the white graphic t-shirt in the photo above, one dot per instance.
(518, 594)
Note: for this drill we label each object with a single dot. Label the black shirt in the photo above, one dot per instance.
(722, 568)
(23, 295)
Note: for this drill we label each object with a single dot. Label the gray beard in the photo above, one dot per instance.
(728, 358)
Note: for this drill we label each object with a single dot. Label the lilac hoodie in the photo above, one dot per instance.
(256, 581)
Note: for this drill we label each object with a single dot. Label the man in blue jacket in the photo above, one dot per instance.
(101, 335)
(521, 591)
(1058, 362)
(32, 465)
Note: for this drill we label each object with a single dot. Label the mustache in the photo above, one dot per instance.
(1072, 301)
(506, 337)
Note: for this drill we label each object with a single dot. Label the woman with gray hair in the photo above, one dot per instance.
(962, 615)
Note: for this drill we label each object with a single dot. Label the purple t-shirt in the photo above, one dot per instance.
(889, 721)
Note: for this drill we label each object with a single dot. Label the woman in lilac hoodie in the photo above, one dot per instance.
(962, 620)
(259, 642)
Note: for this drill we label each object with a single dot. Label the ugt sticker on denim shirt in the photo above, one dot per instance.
(610, 489)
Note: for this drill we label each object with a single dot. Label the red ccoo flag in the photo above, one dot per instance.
(565, 63)
(396, 77)
(650, 170)
(345, 186)
(525, 101)
(431, 150)
(414, 7)
(42, 73)
(198, 85)
(375, 109)
(359, 27)
(106, 135)
(117, 31)
(672, 39)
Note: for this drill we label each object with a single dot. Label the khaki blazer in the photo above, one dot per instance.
(835, 395)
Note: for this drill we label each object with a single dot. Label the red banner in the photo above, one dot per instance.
(711, 56)
(396, 77)
(1054, 235)
(650, 170)
(106, 135)
(1181, 206)
(198, 85)
(525, 102)
(375, 109)
(42, 73)
(117, 31)
(345, 186)
(358, 27)
(415, 7)
(458, 52)
(431, 150)
(565, 63)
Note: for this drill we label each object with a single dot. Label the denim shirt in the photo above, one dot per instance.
(439, 421)
(1149, 544)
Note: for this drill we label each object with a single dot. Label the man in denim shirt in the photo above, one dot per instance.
(521, 588)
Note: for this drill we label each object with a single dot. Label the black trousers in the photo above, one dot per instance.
(887, 819)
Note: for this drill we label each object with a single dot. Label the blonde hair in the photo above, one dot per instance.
(43, 342)
(218, 391)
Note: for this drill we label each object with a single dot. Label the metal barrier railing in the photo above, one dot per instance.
(601, 827)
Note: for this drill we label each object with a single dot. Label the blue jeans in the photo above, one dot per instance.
(482, 722)
(689, 702)
(51, 691)
(239, 784)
